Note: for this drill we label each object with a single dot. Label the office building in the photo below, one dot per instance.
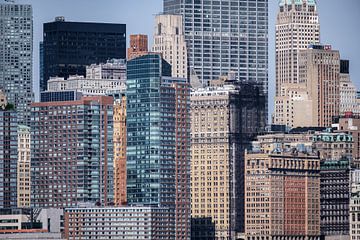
(137, 222)
(225, 36)
(224, 121)
(72, 152)
(138, 46)
(82, 44)
(23, 167)
(297, 26)
(319, 69)
(120, 151)
(158, 139)
(8, 158)
(348, 91)
(16, 44)
(282, 190)
(169, 39)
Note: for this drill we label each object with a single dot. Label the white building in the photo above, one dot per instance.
(131, 222)
(348, 95)
(169, 39)
(102, 79)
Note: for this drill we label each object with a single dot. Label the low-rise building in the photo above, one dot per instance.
(131, 222)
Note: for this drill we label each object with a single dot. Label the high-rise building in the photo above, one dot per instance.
(282, 190)
(348, 91)
(8, 158)
(319, 69)
(130, 222)
(158, 139)
(120, 151)
(169, 39)
(16, 55)
(224, 36)
(72, 152)
(138, 46)
(297, 26)
(23, 167)
(224, 121)
(82, 44)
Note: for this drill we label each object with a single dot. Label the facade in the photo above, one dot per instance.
(225, 36)
(72, 152)
(59, 96)
(348, 92)
(16, 44)
(150, 223)
(297, 26)
(354, 216)
(120, 151)
(23, 167)
(282, 192)
(158, 139)
(101, 79)
(169, 39)
(335, 151)
(8, 158)
(82, 44)
(224, 121)
(138, 46)
(319, 69)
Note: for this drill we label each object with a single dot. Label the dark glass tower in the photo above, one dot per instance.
(69, 46)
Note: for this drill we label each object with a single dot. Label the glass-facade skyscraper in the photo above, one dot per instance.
(16, 53)
(158, 139)
(224, 36)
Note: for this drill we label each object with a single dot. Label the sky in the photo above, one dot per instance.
(339, 25)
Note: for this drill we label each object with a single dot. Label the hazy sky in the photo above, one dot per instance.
(339, 19)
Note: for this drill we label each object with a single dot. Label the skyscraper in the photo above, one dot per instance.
(158, 139)
(16, 46)
(72, 152)
(169, 39)
(224, 121)
(319, 70)
(224, 36)
(297, 26)
(82, 44)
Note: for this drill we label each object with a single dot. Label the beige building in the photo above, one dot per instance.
(297, 26)
(120, 151)
(282, 192)
(23, 167)
(169, 39)
(319, 69)
(210, 158)
(293, 107)
(3, 100)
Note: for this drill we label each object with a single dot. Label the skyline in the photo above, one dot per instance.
(332, 28)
